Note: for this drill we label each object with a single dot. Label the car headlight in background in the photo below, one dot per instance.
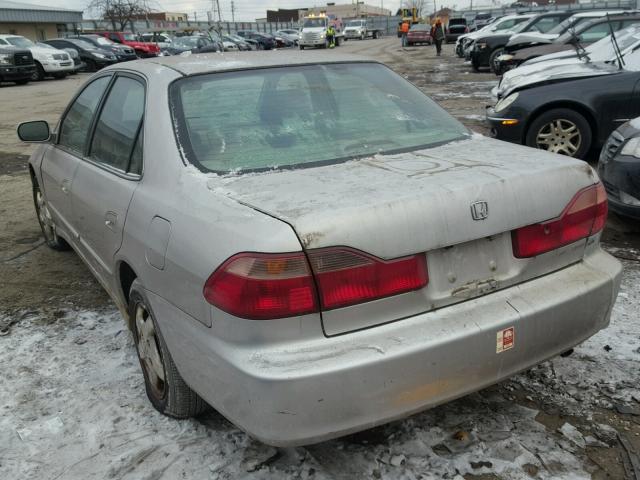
(506, 102)
(99, 55)
(505, 57)
(632, 147)
(628, 199)
(481, 45)
(5, 59)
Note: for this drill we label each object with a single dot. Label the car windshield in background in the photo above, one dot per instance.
(186, 42)
(314, 22)
(457, 21)
(303, 116)
(419, 26)
(603, 50)
(82, 43)
(20, 42)
(563, 25)
(104, 41)
(129, 37)
(355, 23)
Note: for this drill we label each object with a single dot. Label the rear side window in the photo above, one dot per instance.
(118, 124)
(77, 122)
(300, 116)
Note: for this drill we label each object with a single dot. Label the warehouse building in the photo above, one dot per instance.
(36, 22)
(347, 10)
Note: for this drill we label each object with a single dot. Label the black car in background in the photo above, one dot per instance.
(16, 65)
(93, 57)
(619, 169)
(264, 41)
(122, 52)
(488, 48)
(241, 43)
(583, 34)
(193, 44)
(569, 108)
(455, 28)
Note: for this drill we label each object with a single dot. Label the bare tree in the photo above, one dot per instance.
(417, 4)
(119, 13)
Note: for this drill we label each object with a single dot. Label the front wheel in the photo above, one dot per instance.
(38, 73)
(45, 220)
(494, 63)
(166, 389)
(562, 131)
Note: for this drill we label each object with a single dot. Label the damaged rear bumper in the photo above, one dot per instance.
(294, 393)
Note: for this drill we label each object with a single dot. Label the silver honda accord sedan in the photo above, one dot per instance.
(310, 245)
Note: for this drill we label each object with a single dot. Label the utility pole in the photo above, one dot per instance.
(219, 13)
(233, 12)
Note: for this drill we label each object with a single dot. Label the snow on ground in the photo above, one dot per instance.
(73, 406)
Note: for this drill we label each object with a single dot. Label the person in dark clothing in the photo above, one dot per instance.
(437, 34)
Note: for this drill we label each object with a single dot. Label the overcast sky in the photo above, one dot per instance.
(247, 10)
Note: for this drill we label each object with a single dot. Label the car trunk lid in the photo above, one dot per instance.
(430, 201)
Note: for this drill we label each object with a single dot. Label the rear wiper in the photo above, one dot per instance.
(616, 47)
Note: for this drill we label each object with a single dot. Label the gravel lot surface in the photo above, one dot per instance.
(73, 405)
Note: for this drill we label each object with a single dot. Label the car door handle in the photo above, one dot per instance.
(65, 186)
(111, 220)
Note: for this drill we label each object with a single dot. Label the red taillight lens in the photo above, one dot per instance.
(345, 276)
(261, 286)
(585, 215)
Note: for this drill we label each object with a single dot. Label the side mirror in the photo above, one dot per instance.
(34, 132)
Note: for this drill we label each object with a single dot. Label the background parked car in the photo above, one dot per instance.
(49, 63)
(75, 57)
(239, 41)
(121, 52)
(582, 35)
(455, 28)
(567, 107)
(93, 57)
(16, 65)
(193, 44)
(419, 33)
(161, 39)
(290, 34)
(619, 169)
(263, 41)
(142, 49)
(487, 48)
(504, 24)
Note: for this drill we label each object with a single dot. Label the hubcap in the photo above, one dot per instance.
(149, 350)
(560, 136)
(44, 216)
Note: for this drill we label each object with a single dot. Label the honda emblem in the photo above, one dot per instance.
(479, 210)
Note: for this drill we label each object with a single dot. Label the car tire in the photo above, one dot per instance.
(559, 127)
(60, 76)
(475, 66)
(301, 47)
(47, 225)
(170, 395)
(493, 58)
(38, 74)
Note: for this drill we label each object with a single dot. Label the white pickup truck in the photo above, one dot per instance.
(314, 32)
(361, 28)
(49, 61)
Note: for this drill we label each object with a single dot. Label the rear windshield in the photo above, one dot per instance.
(289, 117)
(457, 21)
(420, 27)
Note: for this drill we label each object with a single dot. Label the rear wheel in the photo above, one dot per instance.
(45, 219)
(166, 389)
(562, 131)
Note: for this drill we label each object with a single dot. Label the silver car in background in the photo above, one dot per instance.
(310, 245)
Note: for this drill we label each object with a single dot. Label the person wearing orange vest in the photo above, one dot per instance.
(404, 30)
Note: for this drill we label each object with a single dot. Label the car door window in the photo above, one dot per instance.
(77, 122)
(135, 166)
(118, 124)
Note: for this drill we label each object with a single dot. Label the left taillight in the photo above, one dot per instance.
(585, 215)
(262, 286)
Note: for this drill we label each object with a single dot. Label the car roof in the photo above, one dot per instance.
(229, 61)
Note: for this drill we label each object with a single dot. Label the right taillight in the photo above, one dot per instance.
(585, 215)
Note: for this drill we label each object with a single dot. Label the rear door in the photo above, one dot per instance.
(108, 176)
(62, 158)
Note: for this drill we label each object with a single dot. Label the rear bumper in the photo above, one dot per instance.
(301, 393)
